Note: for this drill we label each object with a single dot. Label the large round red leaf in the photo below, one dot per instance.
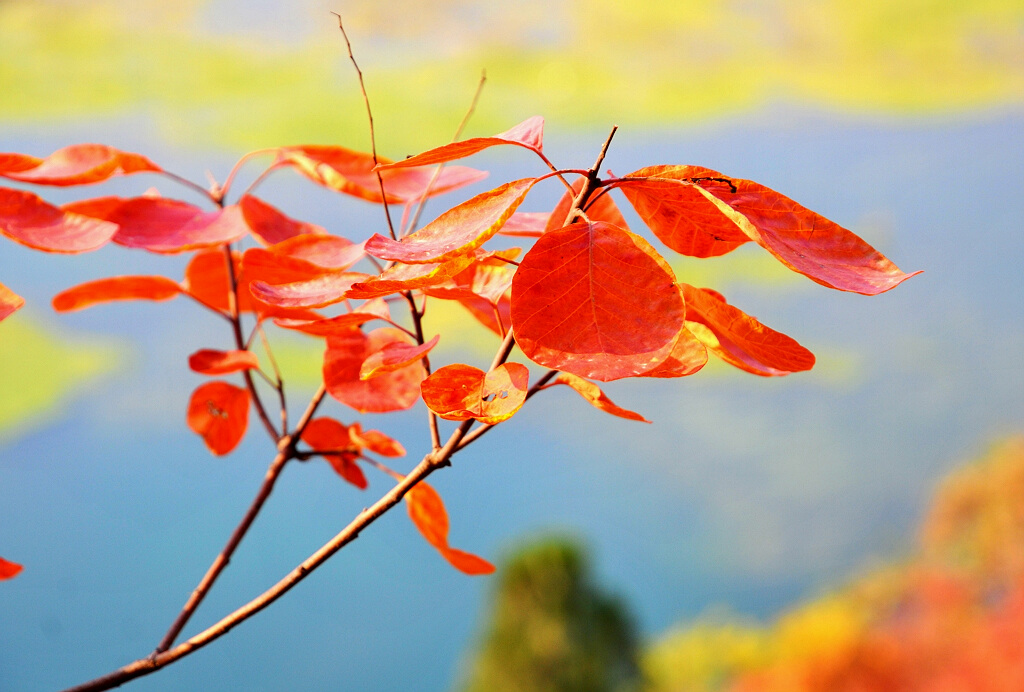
(595, 300)
(461, 392)
(219, 413)
(31, 221)
(391, 391)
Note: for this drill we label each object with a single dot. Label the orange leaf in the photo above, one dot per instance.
(351, 172)
(406, 277)
(526, 224)
(9, 302)
(596, 300)
(461, 392)
(687, 357)
(601, 208)
(592, 393)
(426, 509)
(376, 441)
(394, 356)
(269, 225)
(115, 288)
(274, 269)
(8, 569)
(457, 231)
(318, 292)
(375, 309)
(79, 164)
(219, 412)
(528, 134)
(326, 434)
(739, 339)
(327, 251)
(391, 391)
(29, 220)
(211, 362)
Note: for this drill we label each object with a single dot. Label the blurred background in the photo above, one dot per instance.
(760, 535)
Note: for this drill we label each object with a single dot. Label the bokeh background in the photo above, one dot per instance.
(903, 121)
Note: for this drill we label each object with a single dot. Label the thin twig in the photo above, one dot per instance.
(417, 321)
(188, 183)
(373, 136)
(279, 385)
(226, 187)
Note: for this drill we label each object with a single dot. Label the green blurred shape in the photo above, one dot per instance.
(41, 371)
(551, 629)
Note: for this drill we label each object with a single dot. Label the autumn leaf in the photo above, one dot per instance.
(212, 362)
(375, 309)
(31, 221)
(426, 509)
(351, 172)
(375, 441)
(739, 339)
(391, 391)
(461, 392)
(283, 277)
(595, 300)
(164, 225)
(593, 394)
(324, 290)
(116, 288)
(9, 302)
(207, 280)
(269, 226)
(394, 356)
(401, 277)
(601, 207)
(9, 570)
(526, 224)
(528, 134)
(457, 231)
(327, 251)
(79, 164)
(688, 356)
(327, 434)
(219, 413)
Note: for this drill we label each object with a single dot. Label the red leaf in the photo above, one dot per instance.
(376, 441)
(597, 301)
(327, 251)
(461, 392)
(426, 509)
(526, 224)
(406, 277)
(273, 269)
(327, 434)
(79, 164)
(9, 302)
(219, 412)
(321, 291)
(351, 172)
(529, 134)
(394, 356)
(8, 570)
(392, 391)
(687, 357)
(206, 279)
(457, 231)
(269, 225)
(739, 339)
(169, 226)
(679, 214)
(593, 394)
(115, 288)
(210, 362)
(29, 220)
(601, 208)
(342, 324)
(488, 315)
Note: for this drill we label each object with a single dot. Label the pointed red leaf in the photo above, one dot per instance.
(206, 279)
(115, 288)
(739, 339)
(461, 392)
(211, 362)
(457, 231)
(327, 251)
(679, 214)
(528, 134)
(597, 301)
(426, 509)
(31, 221)
(376, 441)
(488, 314)
(275, 269)
(375, 309)
(269, 225)
(351, 172)
(327, 434)
(394, 356)
(321, 291)
(601, 208)
(9, 302)
(401, 277)
(526, 224)
(219, 412)
(392, 391)
(79, 164)
(9, 570)
(593, 394)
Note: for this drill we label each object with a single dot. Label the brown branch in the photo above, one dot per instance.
(373, 136)
(417, 321)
